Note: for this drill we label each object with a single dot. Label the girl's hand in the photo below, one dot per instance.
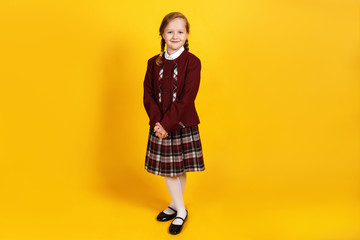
(160, 134)
(160, 131)
(156, 128)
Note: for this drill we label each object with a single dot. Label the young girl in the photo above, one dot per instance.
(170, 87)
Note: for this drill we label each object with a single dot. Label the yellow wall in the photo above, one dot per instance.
(278, 104)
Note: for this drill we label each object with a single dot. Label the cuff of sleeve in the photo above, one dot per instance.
(165, 126)
(154, 121)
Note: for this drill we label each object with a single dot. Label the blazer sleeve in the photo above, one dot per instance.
(151, 107)
(187, 96)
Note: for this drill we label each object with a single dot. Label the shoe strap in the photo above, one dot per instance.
(180, 218)
(172, 208)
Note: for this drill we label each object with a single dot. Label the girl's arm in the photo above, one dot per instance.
(151, 107)
(178, 107)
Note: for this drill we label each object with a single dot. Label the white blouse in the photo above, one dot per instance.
(175, 54)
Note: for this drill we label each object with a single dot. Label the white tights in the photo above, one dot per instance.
(176, 187)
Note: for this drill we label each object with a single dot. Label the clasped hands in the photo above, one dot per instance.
(160, 131)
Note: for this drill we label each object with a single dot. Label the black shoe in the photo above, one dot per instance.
(176, 229)
(163, 217)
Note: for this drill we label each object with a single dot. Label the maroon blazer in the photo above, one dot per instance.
(181, 112)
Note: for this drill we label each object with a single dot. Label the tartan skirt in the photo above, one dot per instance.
(179, 152)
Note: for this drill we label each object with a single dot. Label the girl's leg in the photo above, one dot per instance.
(183, 183)
(175, 189)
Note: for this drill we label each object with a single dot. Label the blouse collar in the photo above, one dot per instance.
(175, 54)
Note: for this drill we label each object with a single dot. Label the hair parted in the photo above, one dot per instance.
(168, 18)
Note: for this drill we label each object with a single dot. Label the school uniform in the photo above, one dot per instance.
(169, 94)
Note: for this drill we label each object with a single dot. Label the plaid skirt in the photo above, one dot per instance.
(179, 152)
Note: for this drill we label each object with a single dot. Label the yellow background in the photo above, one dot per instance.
(278, 105)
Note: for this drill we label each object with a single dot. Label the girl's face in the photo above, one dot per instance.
(175, 35)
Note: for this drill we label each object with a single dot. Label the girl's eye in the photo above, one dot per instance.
(180, 32)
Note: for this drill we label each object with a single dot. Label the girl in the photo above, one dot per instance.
(170, 87)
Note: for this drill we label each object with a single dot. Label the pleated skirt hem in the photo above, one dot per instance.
(176, 154)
